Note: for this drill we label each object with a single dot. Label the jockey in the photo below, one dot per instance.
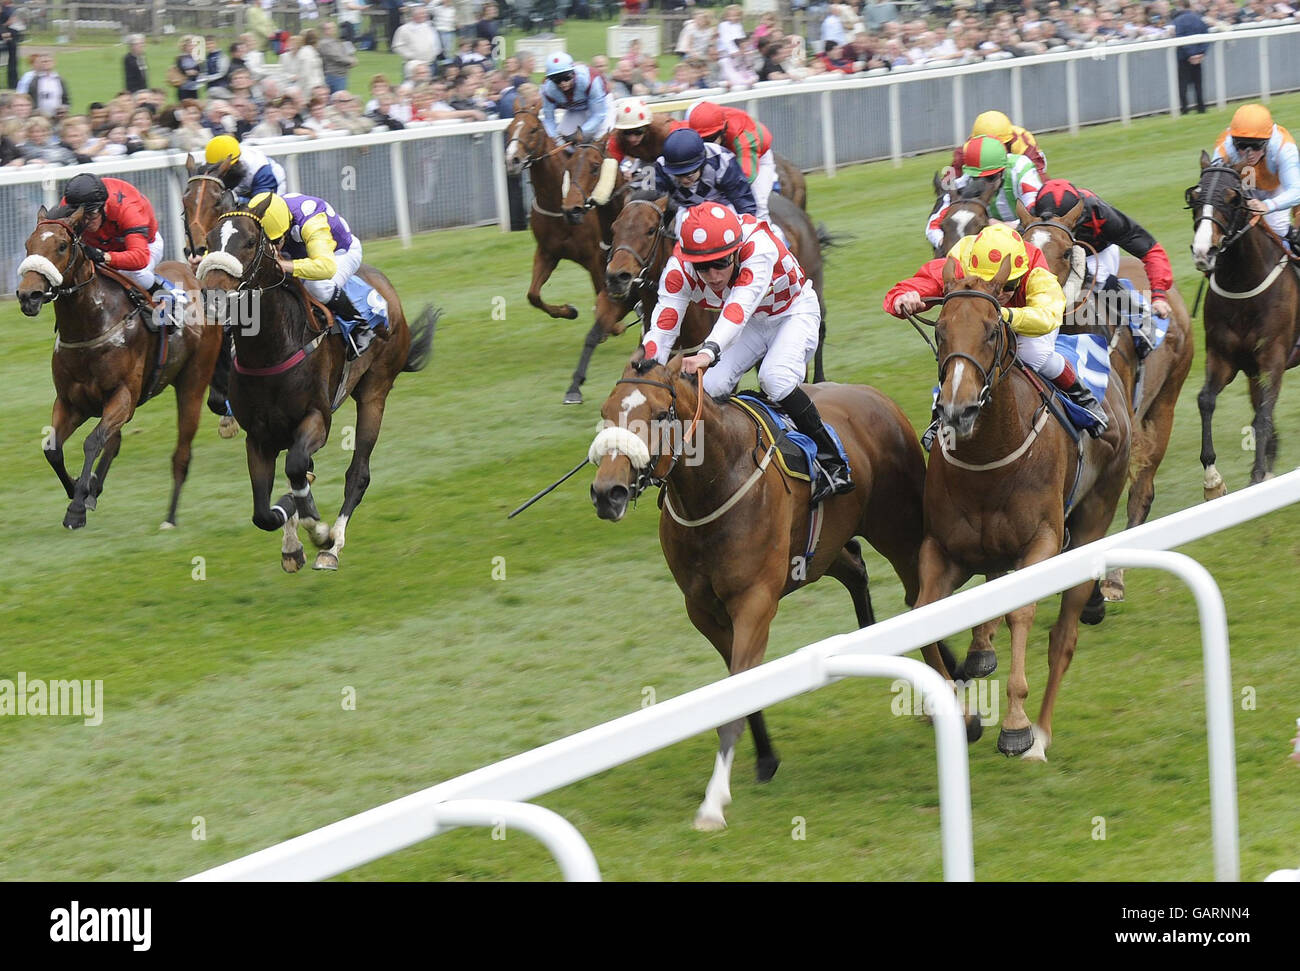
(1108, 231)
(1016, 140)
(633, 120)
(746, 138)
(768, 313)
(1032, 295)
(120, 231)
(692, 172)
(318, 248)
(1253, 139)
(984, 158)
(251, 173)
(571, 86)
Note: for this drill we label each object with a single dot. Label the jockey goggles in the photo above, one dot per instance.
(1249, 144)
(719, 264)
(562, 78)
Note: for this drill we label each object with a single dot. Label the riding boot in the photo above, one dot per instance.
(808, 420)
(1081, 395)
(929, 435)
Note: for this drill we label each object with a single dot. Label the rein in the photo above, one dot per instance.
(659, 236)
(58, 290)
(1085, 287)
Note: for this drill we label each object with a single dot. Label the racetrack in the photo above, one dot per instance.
(223, 694)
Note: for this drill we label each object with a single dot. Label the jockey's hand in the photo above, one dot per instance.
(910, 302)
(96, 255)
(1160, 307)
(696, 362)
(287, 266)
(1257, 205)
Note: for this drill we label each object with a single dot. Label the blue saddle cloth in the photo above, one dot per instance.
(1089, 355)
(368, 301)
(801, 460)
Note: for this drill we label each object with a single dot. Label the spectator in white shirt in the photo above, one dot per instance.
(833, 27)
(417, 40)
(444, 22)
(47, 90)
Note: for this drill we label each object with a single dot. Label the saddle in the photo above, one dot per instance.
(796, 453)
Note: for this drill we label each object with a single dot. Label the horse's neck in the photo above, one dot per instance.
(717, 464)
(273, 328)
(1001, 427)
(81, 316)
(547, 175)
(1248, 261)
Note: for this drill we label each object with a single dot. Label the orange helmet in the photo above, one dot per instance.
(710, 231)
(985, 254)
(1251, 121)
(706, 118)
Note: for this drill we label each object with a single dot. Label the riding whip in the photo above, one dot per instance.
(576, 469)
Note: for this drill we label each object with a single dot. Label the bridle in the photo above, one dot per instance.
(195, 249)
(1085, 286)
(1006, 341)
(248, 279)
(1211, 196)
(659, 232)
(53, 292)
(646, 477)
(530, 159)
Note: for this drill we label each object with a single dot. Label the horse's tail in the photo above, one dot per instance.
(421, 351)
(827, 239)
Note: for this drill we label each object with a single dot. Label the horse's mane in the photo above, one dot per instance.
(974, 189)
(645, 195)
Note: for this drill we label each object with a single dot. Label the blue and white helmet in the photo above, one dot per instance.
(683, 151)
(559, 63)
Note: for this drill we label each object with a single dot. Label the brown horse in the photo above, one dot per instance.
(1161, 374)
(205, 198)
(288, 377)
(1252, 310)
(994, 504)
(967, 214)
(735, 531)
(105, 357)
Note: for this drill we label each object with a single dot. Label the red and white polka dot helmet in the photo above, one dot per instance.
(631, 113)
(709, 232)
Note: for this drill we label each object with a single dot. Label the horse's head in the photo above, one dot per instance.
(207, 196)
(54, 257)
(638, 237)
(968, 213)
(642, 435)
(973, 341)
(240, 257)
(526, 140)
(1053, 236)
(581, 173)
(1219, 215)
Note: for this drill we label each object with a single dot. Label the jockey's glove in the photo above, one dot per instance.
(95, 254)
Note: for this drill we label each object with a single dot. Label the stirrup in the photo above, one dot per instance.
(930, 434)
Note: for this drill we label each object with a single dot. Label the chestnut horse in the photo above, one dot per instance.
(105, 357)
(1252, 310)
(993, 504)
(735, 531)
(204, 199)
(1162, 372)
(288, 377)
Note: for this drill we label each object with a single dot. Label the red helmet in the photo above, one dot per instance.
(709, 232)
(706, 118)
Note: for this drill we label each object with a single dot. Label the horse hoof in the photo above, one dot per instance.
(90, 503)
(1038, 751)
(1016, 741)
(166, 524)
(293, 562)
(1093, 613)
(767, 768)
(570, 312)
(573, 397)
(75, 519)
(1214, 486)
(326, 560)
(227, 427)
(709, 822)
(1112, 591)
(974, 729)
(978, 664)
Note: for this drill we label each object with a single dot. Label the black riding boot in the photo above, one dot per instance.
(340, 305)
(808, 420)
(1079, 393)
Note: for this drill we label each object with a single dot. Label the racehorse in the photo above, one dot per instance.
(106, 361)
(1252, 310)
(288, 377)
(736, 531)
(993, 503)
(1162, 373)
(968, 212)
(204, 199)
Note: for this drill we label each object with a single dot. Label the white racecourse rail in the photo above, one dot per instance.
(871, 651)
(452, 174)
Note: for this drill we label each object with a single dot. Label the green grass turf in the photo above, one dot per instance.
(223, 694)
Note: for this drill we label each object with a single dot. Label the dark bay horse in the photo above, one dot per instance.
(968, 212)
(735, 531)
(105, 357)
(204, 199)
(1252, 310)
(1162, 373)
(288, 377)
(993, 503)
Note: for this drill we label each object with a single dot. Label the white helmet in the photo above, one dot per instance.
(631, 113)
(559, 63)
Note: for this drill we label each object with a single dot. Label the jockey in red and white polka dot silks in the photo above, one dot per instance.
(769, 314)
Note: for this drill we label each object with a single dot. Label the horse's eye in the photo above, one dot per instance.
(660, 416)
(63, 247)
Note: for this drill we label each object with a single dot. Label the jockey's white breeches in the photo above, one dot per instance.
(146, 277)
(1040, 354)
(783, 344)
(348, 262)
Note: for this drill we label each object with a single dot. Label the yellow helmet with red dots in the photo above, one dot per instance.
(991, 248)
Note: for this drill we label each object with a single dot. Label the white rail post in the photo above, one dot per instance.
(1171, 70)
(828, 136)
(1218, 693)
(176, 214)
(958, 110)
(400, 205)
(1017, 93)
(557, 834)
(896, 126)
(499, 180)
(291, 173)
(1125, 100)
(950, 741)
(1072, 94)
(1265, 89)
(1220, 75)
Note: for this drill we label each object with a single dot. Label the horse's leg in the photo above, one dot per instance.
(261, 473)
(64, 420)
(1064, 637)
(117, 412)
(594, 336)
(751, 618)
(982, 659)
(1264, 389)
(1017, 735)
(292, 557)
(851, 570)
(1218, 373)
(938, 577)
(189, 408)
(543, 266)
(311, 434)
(97, 477)
(370, 414)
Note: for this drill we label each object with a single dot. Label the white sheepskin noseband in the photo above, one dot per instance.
(220, 261)
(614, 439)
(39, 264)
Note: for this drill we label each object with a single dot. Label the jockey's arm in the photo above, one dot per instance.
(134, 254)
(746, 149)
(264, 180)
(548, 114)
(321, 246)
(597, 109)
(934, 227)
(1123, 232)
(744, 298)
(737, 190)
(670, 311)
(927, 284)
(1044, 305)
(1027, 188)
(1288, 176)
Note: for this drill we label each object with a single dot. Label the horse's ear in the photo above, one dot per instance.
(259, 210)
(1023, 214)
(1000, 278)
(42, 212)
(190, 165)
(224, 166)
(77, 218)
(1205, 159)
(951, 273)
(637, 356)
(1072, 217)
